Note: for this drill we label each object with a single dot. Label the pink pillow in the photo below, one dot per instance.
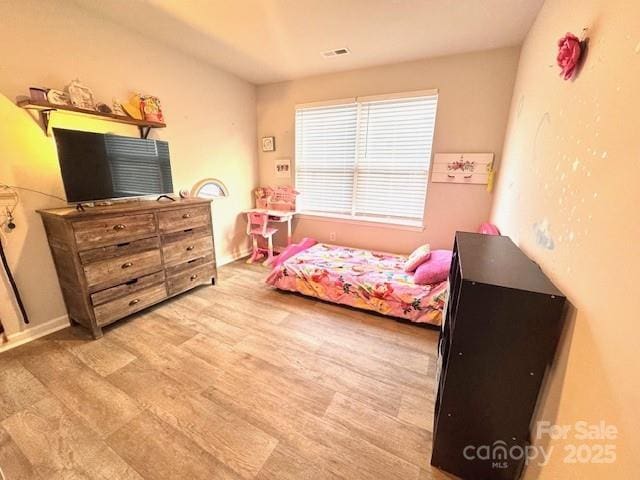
(434, 270)
(417, 258)
(294, 249)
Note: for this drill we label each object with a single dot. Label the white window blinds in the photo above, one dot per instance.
(325, 158)
(366, 159)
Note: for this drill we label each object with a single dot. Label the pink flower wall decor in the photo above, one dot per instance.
(569, 52)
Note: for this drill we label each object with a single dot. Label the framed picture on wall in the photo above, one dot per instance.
(268, 144)
(283, 168)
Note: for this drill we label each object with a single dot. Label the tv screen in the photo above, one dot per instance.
(95, 166)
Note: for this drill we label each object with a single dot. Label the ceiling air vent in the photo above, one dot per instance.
(336, 53)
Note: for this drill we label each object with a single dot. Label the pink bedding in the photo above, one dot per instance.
(363, 279)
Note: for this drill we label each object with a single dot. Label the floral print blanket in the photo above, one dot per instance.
(362, 279)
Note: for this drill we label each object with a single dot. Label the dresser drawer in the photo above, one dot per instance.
(127, 288)
(196, 262)
(190, 278)
(187, 249)
(113, 251)
(100, 275)
(193, 233)
(183, 219)
(124, 306)
(112, 230)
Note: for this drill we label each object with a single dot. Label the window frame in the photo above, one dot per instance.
(374, 221)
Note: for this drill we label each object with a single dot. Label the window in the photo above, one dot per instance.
(210, 188)
(366, 158)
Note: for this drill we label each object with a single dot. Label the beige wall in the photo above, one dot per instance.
(568, 194)
(210, 116)
(475, 91)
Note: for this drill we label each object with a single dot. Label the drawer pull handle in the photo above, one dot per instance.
(120, 226)
(186, 215)
(127, 265)
(193, 277)
(134, 302)
(190, 247)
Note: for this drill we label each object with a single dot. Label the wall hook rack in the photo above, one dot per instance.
(470, 168)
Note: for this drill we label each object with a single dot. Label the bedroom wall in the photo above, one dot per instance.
(474, 95)
(211, 130)
(568, 194)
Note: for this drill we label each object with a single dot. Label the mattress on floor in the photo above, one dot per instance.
(362, 279)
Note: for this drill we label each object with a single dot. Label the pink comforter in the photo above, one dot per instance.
(363, 279)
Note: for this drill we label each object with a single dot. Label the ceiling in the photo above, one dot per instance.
(265, 41)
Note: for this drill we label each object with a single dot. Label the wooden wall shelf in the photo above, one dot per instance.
(45, 109)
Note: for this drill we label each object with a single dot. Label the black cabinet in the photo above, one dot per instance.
(500, 330)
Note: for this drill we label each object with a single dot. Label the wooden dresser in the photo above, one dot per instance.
(115, 260)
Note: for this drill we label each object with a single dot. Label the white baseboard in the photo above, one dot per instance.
(232, 258)
(31, 333)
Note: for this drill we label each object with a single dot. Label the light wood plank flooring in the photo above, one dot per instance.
(227, 382)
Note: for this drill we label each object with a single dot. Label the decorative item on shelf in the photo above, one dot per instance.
(80, 95)
(132, 108)
(116, 108)
(262, 196)
(58, 101)
(571, 52)
(283, 168)
(58, 97)
(184, 193)
(268, 144)
(38, 94)
(151, 109)
(473, 168)
(103, 107)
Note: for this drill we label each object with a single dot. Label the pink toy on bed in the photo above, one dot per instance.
(489, 229)
(294, 249)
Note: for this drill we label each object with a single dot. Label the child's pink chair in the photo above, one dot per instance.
(258, 226)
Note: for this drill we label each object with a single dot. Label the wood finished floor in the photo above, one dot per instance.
(227, 382)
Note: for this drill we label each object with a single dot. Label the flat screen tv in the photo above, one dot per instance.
(97, 167)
